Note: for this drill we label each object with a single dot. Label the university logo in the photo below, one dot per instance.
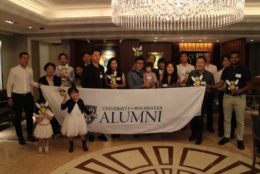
(91, 109)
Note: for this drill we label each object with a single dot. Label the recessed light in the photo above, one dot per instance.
(205, 38)
(10, 22)
(217, 40)
(199, 40)
(155, 38)
(30, 27)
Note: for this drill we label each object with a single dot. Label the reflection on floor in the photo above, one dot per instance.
(158, 153)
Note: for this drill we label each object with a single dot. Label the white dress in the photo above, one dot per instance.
(74, 123)
(43, 129)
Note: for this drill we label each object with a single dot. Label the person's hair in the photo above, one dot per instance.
(49, 64)
(225, 56)
(201, 57)
(183, 52)
(148, 65)
(174, 76)
(86, 52)
(235, 52)
(109, 69)
(150, 55)
(139, 58)
(161, 60)
(23, 53)
(95, 50)
(72, 89)
(62, 54)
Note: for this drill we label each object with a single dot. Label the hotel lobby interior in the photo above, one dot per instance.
(163, 28)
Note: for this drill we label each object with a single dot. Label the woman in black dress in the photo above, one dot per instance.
(170, 76)
(115, 78)
(51, 80)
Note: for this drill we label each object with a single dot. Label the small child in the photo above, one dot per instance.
(150, 76)
(43, 130)
(74, 123)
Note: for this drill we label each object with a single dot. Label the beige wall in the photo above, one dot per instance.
(7, 55)
(55, 50)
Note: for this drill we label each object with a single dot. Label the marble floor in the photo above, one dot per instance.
(158, 153)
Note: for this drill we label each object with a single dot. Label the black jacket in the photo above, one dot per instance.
(70, 105)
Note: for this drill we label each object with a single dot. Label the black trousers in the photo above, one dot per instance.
(55, 125)
(208, 108)
(23, 102)
(197, 127)
(221, 116)
(197, 122)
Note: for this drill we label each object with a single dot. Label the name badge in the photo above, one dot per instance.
(101, 76)
(203, 83)
(238, 75)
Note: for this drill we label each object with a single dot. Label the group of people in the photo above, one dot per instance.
(231, 84)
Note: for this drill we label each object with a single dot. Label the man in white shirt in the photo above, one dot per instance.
(209, 67)
(64, 71)
(209, 107)
(19, 85)
(184, 68)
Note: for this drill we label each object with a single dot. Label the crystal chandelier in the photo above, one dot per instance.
(176, 15)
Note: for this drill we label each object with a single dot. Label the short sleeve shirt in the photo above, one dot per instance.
(237, 76)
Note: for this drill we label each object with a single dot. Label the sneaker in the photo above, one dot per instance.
(223, 141)
(40, 149)
(240, 145)
(21, 141)
(91, 138)
(102, 137)
(46, 149)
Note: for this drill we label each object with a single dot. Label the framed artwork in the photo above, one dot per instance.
(106, 54)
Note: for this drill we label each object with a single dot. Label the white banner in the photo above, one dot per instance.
(134, 111)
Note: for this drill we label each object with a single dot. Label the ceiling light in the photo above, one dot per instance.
(205, 38)
(155, 38)
(30, 27)
(10, 22)
(200, 40)
(217, 40)
(176, 15)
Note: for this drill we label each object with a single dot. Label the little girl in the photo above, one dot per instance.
(43, 130)
(150, 76)
(74, 123)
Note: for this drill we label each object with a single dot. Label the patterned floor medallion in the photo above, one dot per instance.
(158, 158)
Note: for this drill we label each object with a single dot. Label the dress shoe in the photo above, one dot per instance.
(91, 138)
(31, 138)
(223, 141)
(102, 137)
(71, 146)
(198, 141)
(21, 141)
(240, 145)
(192, 138)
